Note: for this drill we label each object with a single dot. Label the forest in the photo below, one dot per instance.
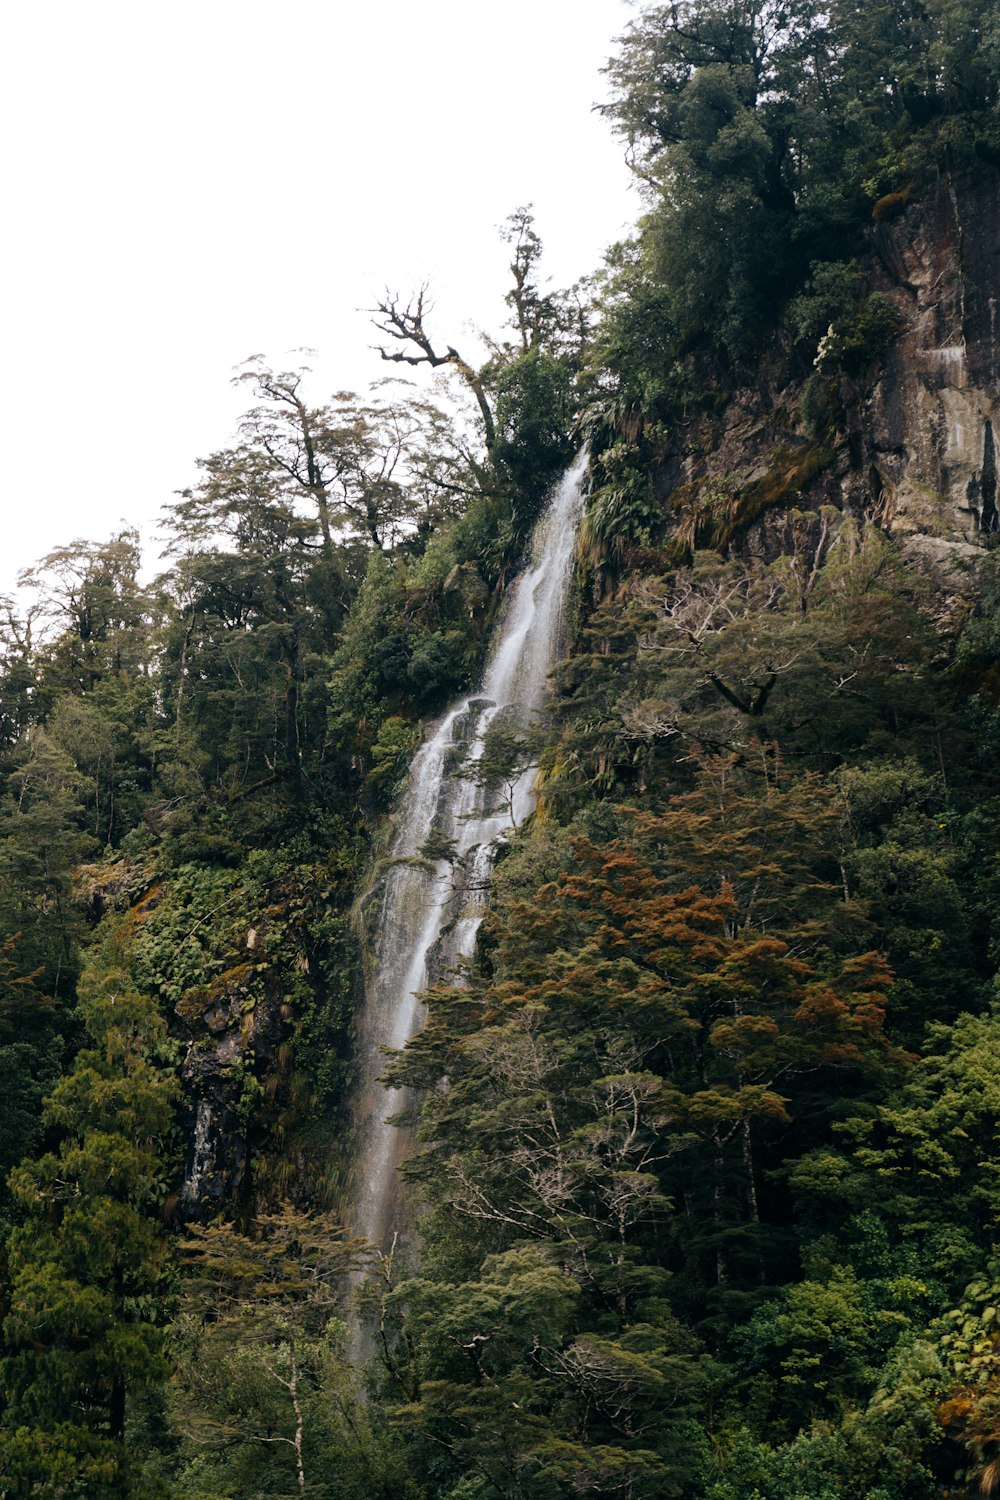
(706, 1163)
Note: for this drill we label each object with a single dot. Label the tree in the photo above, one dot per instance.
(714, 99)
(969, 1341)
(526, 392)
(720, 652)
(239, 665)
(88, 635)
(659, 1013)
(263, 1393)
(377, 468)
(556, 322)
(505, 756)
(404, 324)
(89, 1264)
(764, 131)
(41, 841)
(30, 1052)
(507, 1396)
(17, 669)
(94, 609)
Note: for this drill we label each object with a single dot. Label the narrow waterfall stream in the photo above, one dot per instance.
(430, 909)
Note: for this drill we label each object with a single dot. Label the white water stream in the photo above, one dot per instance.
(432, 908)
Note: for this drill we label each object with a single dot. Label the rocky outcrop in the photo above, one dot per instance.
(235, 1026)
(915, 444)
(930, 423)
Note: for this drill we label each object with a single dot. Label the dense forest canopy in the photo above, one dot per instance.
(707, 1164)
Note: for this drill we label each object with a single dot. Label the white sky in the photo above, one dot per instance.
(193, 183)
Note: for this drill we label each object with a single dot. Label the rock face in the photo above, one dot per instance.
(931, 423)
(916, 447)
(235, 1027)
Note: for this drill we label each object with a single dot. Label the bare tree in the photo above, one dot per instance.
(405, 326)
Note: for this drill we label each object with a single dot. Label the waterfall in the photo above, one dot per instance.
(429, 908)
(201, 1155)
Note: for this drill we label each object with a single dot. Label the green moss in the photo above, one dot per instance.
(891, 205)
(711, 516)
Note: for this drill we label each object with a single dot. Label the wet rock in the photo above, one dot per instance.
(915, 451)
(235, 1027)
(931, 417)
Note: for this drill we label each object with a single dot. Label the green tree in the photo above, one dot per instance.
(509, 1396)
(763, 133)
(41, 841)
(242, 676)
(30, 1053)
(376, 468)
(263, 1395)
(89, 1264)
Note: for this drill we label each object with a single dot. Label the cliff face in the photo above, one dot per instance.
(915, 446)
(930, 422)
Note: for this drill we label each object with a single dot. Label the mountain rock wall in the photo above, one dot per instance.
(914, 446)
(930, 422)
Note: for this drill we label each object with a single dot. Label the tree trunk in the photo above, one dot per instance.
(721, 1269)
(116, 1409)
(290, 651)
(314, 479)
(293, 1386)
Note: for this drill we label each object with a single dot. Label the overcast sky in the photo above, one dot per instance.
(190, 184)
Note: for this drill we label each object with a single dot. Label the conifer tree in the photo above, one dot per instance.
(89, 1264)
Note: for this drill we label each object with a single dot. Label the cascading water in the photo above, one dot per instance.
(430, 911)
